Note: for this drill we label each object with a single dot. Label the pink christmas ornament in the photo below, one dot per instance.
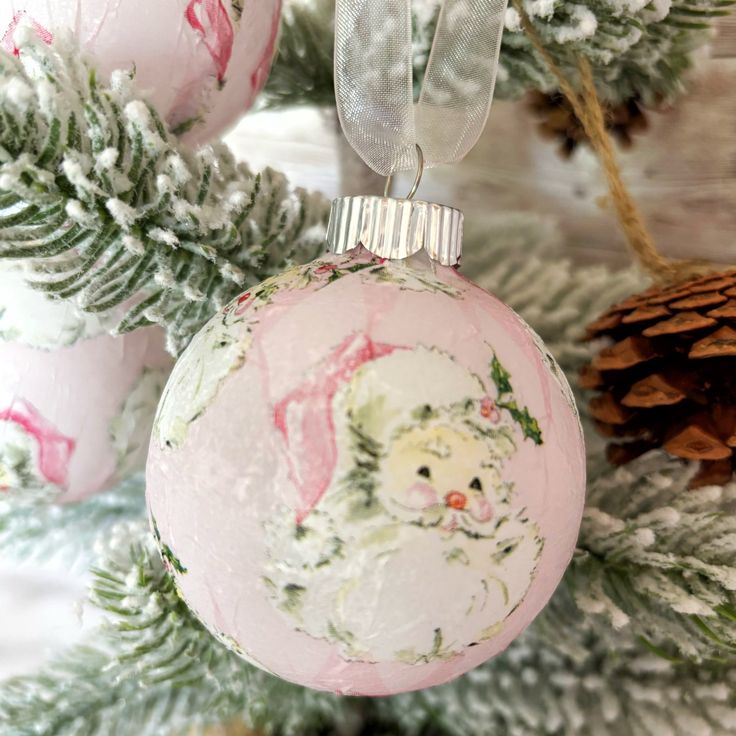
(366, 476)
(76, 405)
(200, 62)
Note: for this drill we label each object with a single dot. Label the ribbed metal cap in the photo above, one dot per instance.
(395, 228)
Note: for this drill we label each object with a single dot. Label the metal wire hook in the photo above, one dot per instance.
(417, 178)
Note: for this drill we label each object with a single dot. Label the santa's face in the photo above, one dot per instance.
(443, 476)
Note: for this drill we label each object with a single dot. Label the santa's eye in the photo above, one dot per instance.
(476, 485)
(424, 472)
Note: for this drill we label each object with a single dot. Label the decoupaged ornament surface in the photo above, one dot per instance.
(199, 62)
(366, 476)
(76, 405)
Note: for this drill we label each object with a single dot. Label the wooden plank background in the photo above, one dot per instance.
(682, 171)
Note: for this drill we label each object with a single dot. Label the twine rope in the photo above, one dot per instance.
(587, 108)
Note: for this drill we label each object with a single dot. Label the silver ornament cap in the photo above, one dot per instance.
(395, 228)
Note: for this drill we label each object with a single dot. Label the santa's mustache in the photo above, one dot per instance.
(441, 516)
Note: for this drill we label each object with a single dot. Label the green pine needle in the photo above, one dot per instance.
(114, 212)
(637, 49)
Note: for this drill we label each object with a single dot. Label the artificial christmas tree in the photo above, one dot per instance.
(640, 637)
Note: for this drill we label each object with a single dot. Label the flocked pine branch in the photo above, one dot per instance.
(33, 527)
(565, 677)
(154, 669)
(151, 668)
(302, 69)
(637, 48)
(659, 560)
(117, 214)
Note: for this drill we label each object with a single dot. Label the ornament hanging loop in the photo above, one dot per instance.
(374, 90)
(396, 228)
(417, 177)
(374, 84)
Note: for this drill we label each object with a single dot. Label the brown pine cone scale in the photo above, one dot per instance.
(680, 322)
(558, 121)
(667, 376)
(654, 390)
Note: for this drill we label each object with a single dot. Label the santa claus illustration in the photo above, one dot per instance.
(406, 545)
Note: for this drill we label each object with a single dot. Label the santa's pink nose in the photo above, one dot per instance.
(456, 500)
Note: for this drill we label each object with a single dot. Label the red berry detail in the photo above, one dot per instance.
(325, 268)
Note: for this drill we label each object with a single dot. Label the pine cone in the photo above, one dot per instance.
(669, 377)
(559, 122)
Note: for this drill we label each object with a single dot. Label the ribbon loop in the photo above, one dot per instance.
(374, 89)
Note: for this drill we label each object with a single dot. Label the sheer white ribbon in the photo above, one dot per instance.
(373, 80)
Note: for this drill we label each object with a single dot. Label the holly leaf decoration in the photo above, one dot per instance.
(502, 378)
(362, 266)
(529, 425)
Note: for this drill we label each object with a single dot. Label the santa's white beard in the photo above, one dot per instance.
(400, 592)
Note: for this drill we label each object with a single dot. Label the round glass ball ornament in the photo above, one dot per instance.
(366, 476)
(76, 404)
(201, 63)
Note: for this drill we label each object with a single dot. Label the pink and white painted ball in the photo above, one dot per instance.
(76, 405)
(366, 476)
(200, 62)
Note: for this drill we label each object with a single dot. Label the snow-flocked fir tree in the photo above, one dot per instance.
(106, 208)
(119, 213)
(638, 49)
